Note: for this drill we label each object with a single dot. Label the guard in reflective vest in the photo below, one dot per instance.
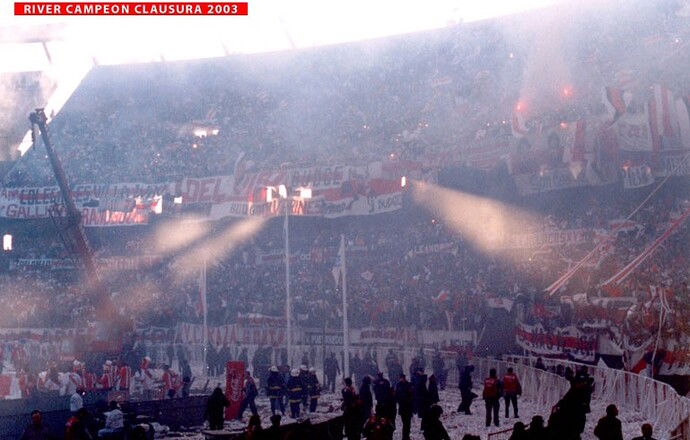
(294, 393)
(492, 394)
(511, 390)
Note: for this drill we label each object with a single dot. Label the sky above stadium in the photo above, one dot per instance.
(272, 25)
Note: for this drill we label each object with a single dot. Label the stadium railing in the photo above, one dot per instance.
(657, 401)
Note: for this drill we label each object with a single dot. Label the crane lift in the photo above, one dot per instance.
(108, 328)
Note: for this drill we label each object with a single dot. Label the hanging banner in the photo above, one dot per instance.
(637, 177)
(634, 134)
(559, 342)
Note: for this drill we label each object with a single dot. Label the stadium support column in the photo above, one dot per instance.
(346, 322)
(203, 285)
(288, 299)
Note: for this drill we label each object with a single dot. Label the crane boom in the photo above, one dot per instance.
(105, 313)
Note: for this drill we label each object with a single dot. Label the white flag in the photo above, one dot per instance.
(339, 266)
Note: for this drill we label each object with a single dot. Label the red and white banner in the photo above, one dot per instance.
(561, 342)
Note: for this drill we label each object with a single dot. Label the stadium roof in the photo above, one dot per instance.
(66, 48)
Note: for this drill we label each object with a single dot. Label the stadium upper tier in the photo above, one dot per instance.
(400, 97)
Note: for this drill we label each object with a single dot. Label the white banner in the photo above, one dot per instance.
(556, 237)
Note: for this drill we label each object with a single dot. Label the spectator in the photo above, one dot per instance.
(77, 426)
(365, 396)
(114, 421)
(378, 426)
(536, 430)
(37, 429)
(609, 427)
(433, 427)
(404, 396)
(215, 409)
(519, 432)
(76, 402)
(647, 432)
(466, 393)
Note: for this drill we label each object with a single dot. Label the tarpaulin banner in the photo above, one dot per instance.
(556, 237)
(234, 381)
(432, 248)
(391, 335)
(116, 204)
(550, 180)
(137, 262)
(559, 342)
(231, 334)
(500, 303)
(388, 200)
(336, 190)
